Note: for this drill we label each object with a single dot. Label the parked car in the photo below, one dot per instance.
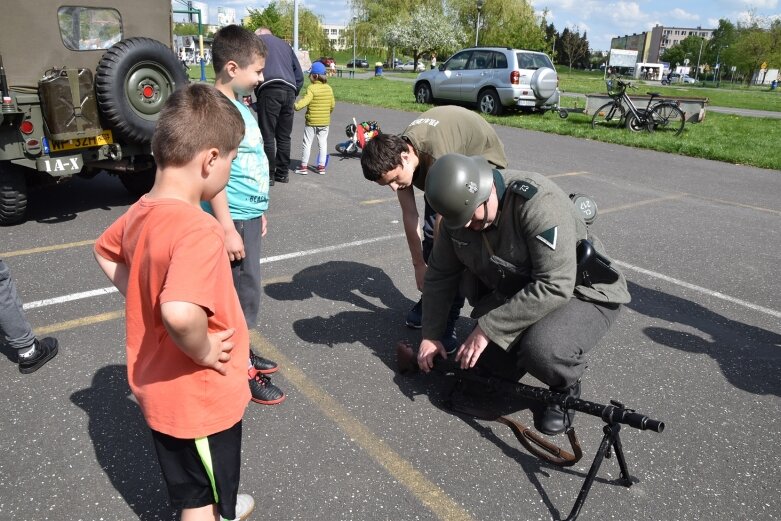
(82, 88)
(360, 62)
(495, 78)
(682, 78)
(396, 63)
(410, 65)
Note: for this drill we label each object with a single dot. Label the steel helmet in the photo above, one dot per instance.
(456, 185)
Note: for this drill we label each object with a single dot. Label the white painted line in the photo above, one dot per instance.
(68, 298)
(700, 289)
(328, 248)
(112, 289)
(304, 253)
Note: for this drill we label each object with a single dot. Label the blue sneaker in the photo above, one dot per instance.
(415, 316)
(450, 341)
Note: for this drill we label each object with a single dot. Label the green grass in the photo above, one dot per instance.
(721, 137)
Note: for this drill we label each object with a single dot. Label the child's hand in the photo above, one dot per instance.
(234, 245)
(219, 351)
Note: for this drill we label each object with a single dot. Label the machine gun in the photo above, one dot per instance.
(614, 415)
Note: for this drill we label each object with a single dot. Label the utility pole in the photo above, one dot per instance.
(697, 72)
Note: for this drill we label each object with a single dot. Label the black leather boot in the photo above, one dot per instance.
(552, 420)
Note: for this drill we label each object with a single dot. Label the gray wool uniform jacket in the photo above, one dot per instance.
(518, 270)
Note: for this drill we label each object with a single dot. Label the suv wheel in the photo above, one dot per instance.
(489, 103)
(423, 93)
(13, 193)
(133, 80)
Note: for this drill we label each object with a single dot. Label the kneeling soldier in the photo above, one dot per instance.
(509, 242)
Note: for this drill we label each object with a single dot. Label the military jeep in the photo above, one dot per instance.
(82, 86)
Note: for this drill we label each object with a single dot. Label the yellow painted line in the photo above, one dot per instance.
(79, 322)
(378, 201)
(428, 493)
(567, 174)
(43, 249)
(641, 203)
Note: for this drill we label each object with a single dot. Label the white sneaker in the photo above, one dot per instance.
(302, 170)
(244, 507)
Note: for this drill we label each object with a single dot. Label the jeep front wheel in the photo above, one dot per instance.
(133, 80)
(489, 103)
(13, 193)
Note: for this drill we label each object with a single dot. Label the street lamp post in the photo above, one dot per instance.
(480, 4)
(355, 19)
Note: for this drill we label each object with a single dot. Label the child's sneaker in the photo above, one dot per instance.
(321, 169)
(302, 169)
(262, 390)
(245, 504)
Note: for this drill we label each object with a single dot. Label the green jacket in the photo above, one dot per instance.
(320, 99)
(535, 235)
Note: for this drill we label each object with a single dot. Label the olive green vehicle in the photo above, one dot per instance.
(82, 86)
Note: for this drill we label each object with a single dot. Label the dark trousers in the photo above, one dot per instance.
(554, 349)
(275, 119)
(429, 221)
(246, 272)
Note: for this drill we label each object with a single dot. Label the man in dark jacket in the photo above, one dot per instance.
(282, 80)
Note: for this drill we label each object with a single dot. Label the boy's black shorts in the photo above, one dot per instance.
(203, 471)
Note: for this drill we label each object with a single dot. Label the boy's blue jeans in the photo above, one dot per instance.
(15, 330)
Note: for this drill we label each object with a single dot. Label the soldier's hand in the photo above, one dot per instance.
(234, 245)
(472, 348)
(426, 353)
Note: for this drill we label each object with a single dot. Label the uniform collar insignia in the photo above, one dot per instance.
(549, 237)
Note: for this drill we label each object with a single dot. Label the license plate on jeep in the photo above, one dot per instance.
(104, 138)
(526, 103)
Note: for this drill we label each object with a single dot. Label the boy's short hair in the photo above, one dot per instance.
(235, 43)
(195, 118)
(381, 155)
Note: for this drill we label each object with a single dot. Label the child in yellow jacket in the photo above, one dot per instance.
(319, 98)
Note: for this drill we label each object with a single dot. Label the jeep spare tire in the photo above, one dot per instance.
(544, 82)
(133, 80)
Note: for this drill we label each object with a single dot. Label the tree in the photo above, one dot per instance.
(185, 29)
(278, 18)
(688, 48)
(574, 47)
(427, 30)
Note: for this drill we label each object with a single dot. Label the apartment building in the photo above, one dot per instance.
(651, 44)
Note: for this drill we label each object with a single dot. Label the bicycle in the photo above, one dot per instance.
(660, 116)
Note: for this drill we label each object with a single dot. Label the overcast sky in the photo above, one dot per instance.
(601, 19)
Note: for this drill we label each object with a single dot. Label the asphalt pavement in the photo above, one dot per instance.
(698, 348)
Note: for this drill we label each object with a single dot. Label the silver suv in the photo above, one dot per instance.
(493, 77)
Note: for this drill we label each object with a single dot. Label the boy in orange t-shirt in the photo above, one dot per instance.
(187, 340)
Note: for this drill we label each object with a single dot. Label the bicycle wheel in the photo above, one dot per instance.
(609, 115)
(667, 117)
(638, 125)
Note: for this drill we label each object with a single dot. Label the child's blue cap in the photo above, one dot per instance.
(317, 68)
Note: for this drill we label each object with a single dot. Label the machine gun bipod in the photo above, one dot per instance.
(614, 415)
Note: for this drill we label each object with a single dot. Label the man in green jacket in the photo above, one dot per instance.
(509, 242)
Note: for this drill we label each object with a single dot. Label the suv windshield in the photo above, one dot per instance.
(528, 60)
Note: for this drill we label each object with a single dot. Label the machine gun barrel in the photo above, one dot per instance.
(613, 413)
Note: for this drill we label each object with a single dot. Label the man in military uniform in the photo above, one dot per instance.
(402, 163)
(509, 240)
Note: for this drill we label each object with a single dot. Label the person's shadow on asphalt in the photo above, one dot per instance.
(747, 355)
(378, 323)
(123, 444)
